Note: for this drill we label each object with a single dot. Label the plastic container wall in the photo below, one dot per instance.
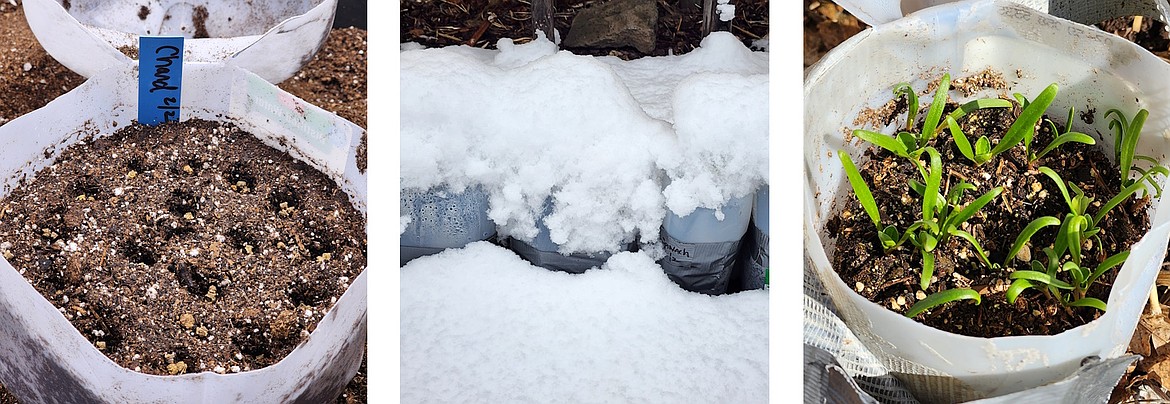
(43, 358)
(701, 248)
(756, 267)
(1031, 49)
(441, 219)
(543, 252)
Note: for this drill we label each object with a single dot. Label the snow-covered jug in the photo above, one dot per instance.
(440, 219)
(701, 248)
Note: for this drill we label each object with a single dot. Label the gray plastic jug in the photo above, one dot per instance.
(755, 270)
(441, 219)
(701, 250)
(542, 251)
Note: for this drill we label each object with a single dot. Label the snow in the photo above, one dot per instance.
(479, 324)
(601, 136)
(726, 11)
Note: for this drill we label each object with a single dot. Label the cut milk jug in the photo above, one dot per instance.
(440, 219)
(543, 252)
(756, 267)
(701, 247)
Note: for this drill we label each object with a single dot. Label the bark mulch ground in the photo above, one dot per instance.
(481, 23)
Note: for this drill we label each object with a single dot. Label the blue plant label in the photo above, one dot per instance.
(160, 79)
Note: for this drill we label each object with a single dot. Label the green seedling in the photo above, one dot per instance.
(887, 235)
(942, 217)
(1025, 236)
(1069, 294)
(939, 298)
(1059, 138)
(934, 114)
(903, 89)
(1125, 148)
(1022, 130)
(1078, 225)
(908, 144)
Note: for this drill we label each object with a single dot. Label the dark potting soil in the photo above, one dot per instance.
(29, 77)
(184, 248)
(335, 79)
(891, 279)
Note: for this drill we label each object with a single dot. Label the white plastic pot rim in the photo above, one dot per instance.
(877, 12)
(275, 55)
(1032, 50)
(43, 358)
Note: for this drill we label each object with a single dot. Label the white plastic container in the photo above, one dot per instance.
(441, 219)
(702, 247)
(272, 38)
(43, 358)
(1032, 49)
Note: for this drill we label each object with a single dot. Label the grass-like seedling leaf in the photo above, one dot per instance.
(1129, 142)
(1089, 302)
(1017, 287)
(1025, 124)
(1041, 277)
(903, 89)
(1059, 138)
(884, 141)
(953, 221)
(933, 183)
(946, 296)
(934, 115)
(1107, 264)
(1027, 234)
(927, 269)
(974, 243)
(1065, 138)
(861, 189)
(1122, 196)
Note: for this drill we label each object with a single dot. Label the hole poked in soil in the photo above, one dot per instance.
(240, 172)
(85, 186)
(311, 292)
(243, 236)
(193, 278)
(138, 254)
(182, 202)
(282, 198)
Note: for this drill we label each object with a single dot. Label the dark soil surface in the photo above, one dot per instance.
(481, 23)
(29, 77)
(335, 79)
(185, 248)
(891, 278)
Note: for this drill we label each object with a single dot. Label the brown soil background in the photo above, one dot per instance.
(826, 25)
(334, 80)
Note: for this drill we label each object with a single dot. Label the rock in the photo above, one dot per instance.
(285, 325)
(615, 24)
(187, 320)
